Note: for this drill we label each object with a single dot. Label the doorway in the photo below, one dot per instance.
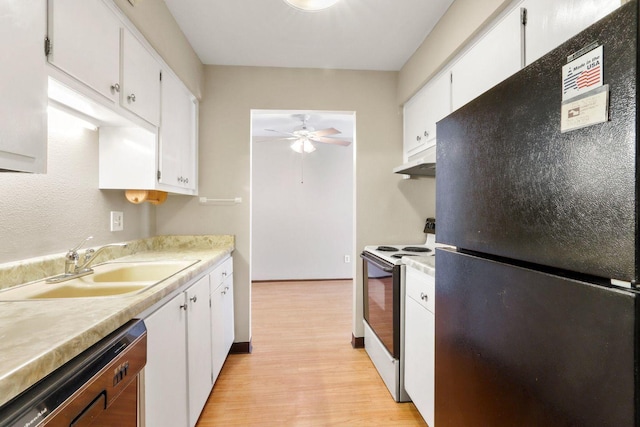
(302, 200)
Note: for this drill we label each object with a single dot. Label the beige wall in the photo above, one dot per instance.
(459, 24)
(51, 213)
(155, 22)
(388, 209)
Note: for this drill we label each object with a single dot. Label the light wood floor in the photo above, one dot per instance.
(303, 370)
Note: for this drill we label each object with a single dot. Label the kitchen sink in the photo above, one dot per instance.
(109, 280)
(140, 272)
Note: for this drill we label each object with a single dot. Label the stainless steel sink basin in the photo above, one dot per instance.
(109, 280)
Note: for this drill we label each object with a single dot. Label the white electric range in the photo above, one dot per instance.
(394, 253)
(384, 289)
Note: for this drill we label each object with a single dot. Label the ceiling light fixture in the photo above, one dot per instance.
(303, 144)
(311, 5)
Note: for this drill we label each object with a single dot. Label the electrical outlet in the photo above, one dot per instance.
(347, 258)
(117, 221)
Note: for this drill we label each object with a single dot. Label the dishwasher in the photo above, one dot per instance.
(98, 388)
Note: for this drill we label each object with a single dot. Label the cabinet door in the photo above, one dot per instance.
(165, 379)
(415, 115)
(228, 314)
(438, 105)
(178, 140)
(217, 328)
(552, 22)
(198, 347)
(493, 58)
(23, 84)
(140, 91)
(85, 40)
(419, 371)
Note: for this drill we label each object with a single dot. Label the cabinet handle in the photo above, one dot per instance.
(224, 274)
(132, 97)
(226, 288)
(418, 138)
(223, 292)
(194, 298)
(183, 307)
(426, 134)
(115, 87)
(424, 296)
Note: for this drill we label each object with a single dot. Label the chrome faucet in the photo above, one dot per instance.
(91, 254)
(71, 268)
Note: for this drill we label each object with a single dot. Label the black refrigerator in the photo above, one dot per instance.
(537, 189)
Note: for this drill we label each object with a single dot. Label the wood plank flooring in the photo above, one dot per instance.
(303, 370)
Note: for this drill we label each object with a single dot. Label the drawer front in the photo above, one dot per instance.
(221, 272)
(421, 288)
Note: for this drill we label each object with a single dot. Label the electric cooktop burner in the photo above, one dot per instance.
(387, 249)
(416, 249)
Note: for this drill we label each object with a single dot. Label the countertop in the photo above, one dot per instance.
(425, 264)
(37, 337)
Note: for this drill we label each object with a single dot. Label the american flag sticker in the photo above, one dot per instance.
(582, 74)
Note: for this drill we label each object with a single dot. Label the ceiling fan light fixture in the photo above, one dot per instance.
(303, 145)
(311, 5)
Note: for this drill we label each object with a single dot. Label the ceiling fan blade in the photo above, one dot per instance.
(273, 138)
(331, 141)
(325, 132)
(280, 132)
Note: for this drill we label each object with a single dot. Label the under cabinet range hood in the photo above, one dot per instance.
(418, 167)
(424, 165)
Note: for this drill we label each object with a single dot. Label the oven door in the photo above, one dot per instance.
(381, 286)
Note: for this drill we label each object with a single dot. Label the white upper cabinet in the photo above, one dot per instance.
(23, 84)
(552, 22)
(85, 43)
(493, 58)
(96, 55)
(140, 92)
(178, 136)
(422, 111)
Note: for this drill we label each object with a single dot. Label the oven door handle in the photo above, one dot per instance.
(374, 261)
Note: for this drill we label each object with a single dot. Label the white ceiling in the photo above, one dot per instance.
(354, 34)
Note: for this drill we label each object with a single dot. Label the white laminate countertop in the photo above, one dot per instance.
(425, 264)
(39, 336)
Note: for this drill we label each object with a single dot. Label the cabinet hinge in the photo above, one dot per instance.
(47, 46)
(159, 175)
(523, 15)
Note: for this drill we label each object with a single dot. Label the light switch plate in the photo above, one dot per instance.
(117, 221)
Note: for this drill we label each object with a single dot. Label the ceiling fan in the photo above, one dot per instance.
(304, 136)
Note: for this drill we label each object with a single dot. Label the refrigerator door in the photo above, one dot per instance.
(509, 183)
(519, 347)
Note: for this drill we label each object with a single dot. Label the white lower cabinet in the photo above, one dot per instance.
(222, 325)
(199, 366)
(419, 371)
(165, 379)
(188, 342)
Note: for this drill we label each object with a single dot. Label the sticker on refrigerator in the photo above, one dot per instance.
(585, 110)
(582, 74)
